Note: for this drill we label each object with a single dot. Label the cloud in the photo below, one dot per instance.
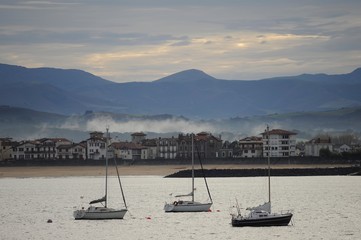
(35, 5)
(159, 126)
(141, 40)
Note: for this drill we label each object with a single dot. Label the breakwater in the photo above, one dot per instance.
(258, 172)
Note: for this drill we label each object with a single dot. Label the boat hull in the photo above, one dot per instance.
(99, 213)
(277, 220)
(187, 207)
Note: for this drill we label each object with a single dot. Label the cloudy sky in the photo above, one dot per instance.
(144, 40)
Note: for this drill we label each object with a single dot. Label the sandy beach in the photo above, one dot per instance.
(135, 170)
(67, 171)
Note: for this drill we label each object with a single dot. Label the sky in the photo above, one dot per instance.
(144, 40)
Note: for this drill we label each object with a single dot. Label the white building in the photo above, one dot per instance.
(250, 147)
(96, 146)
(129, 151)
(313, 147)
(48, 147)
(44, 148)
(72, 151)
(151, 148)
(343, 148)
(279, 143)
(26, 151)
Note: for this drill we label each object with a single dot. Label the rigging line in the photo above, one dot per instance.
(204, 175)
(106, 167)
(120, 183)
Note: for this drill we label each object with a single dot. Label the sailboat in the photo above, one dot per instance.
(261, 215)
(189, 205)
(103, 212)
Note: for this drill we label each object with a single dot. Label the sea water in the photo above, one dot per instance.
(324, 208)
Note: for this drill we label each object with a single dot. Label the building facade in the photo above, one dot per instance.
(151, 148)
(205, 146)
(44, 148)
(167, 148)
(313, 147)
(96, 146)
(72, 151)
(251, 147)
(6, 148)
(279, 143)
(128, 151)
(138, 137)
(227, 150)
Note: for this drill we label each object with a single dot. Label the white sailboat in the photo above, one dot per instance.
(103, 212)
(189, 205)
(261, 215)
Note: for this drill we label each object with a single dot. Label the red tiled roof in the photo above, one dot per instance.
(251, 139)
(279, 132)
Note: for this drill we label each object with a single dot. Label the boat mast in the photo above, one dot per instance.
(106, 167)
(269, 166)
(192, 168)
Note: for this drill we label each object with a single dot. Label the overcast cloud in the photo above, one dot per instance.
(143, 40)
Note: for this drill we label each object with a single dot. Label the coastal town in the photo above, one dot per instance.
(278, 143)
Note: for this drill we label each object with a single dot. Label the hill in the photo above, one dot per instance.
(191, 93)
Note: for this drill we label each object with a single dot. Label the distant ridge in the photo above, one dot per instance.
(190, 93)
(187, 76)
(71, 78)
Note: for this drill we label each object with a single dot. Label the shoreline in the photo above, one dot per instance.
(137, 170)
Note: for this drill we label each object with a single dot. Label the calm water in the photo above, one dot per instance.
(324, 208)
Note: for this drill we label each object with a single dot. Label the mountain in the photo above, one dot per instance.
(191, 93)
(187, 76)
(52, 90)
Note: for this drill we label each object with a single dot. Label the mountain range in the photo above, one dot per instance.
(191, 93)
